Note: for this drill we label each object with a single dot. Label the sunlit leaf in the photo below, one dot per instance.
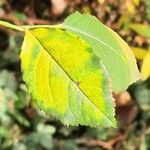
(141, 29)
(136, 2)
(139, 52)
(114, 53)
(147, 5)
(66, 78)
(145, 69)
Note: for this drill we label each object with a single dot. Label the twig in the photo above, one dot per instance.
(108, 145)
(10, 18)
(30, 21)
(91, 142)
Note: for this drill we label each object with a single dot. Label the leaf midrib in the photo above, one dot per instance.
(72, 80)
(94, 38)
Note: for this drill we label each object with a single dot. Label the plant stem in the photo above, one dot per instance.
(42, 26)
(11, 26)
(22, 28)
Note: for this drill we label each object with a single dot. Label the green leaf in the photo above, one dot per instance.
(143, 145)
(147, 5)
(109, 48)
(46, 141)
(66, 78)
(141, 29)
(46, 129)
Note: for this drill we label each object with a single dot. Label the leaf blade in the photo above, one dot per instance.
(141, 29)
(145, 69)
(98, 36)
(139, 52)
(62, 103)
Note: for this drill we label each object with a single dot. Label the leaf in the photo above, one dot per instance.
(108, 46)
(147, 5)
(46, 129)
(66, 79)
(46, 141)
(145, 69)
(139, 53)
(143, 144)
(142, 96)
(143, 30)
(136, 2)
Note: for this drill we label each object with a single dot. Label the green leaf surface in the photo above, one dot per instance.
(66, 78)
(109, 48)
(141, 29)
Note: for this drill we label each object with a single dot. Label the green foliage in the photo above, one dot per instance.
(77, 86)
(43, 137)
(73, 66)
(140, 53)
(147, 3)
(144, 55)
(61, 49)
(15, 135)
(141, 29)
(108, 46)
(12, 120)
(142, 92)
(10, 55)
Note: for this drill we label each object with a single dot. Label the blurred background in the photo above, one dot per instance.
(25, 127)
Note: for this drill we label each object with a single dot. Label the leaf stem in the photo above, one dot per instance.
(11, 26)
(42, 26)
(22, 28)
